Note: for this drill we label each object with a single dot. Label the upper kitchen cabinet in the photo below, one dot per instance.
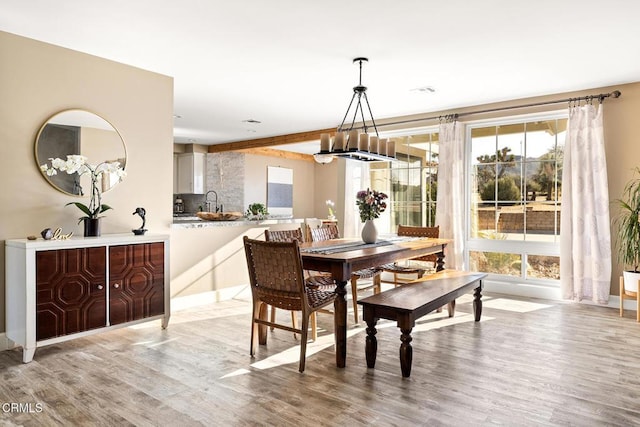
(189, 173)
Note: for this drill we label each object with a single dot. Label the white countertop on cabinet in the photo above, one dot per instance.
(78, 242)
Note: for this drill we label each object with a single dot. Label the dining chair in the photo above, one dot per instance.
(330, 231)
(277, 279)
(308, 225)
(327, 232)
(417, 266)
(319, 280)
(284, 236)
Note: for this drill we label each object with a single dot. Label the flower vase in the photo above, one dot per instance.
(369, 232)
(92, 227)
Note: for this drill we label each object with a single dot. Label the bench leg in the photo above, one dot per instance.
(406, 352)
(371, 343)
(451, 308)
(477, 302)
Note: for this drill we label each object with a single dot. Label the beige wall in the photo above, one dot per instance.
(327, 187)
(623, 152)
(255, 184)
(38, 80)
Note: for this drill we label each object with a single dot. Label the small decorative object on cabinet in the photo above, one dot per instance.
(47, 234)
(66, 289)
(141, 213)
(91, 226)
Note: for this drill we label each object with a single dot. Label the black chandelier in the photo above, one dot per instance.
(348, 142)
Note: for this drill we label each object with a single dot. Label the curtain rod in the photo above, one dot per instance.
(454, 116)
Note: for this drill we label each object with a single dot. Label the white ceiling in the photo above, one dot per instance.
(288, 63)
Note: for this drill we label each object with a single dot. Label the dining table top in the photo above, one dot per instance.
(342, 256)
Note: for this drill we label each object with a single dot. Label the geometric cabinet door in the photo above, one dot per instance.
(136, 282)
(70, 291)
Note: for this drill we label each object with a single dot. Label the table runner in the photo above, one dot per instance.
(353, 246)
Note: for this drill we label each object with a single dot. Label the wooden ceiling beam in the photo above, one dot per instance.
(281, 154)
(271, 141)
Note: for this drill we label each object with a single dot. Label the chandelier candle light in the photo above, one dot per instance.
(357, 146)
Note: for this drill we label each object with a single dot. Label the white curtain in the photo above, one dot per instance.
(585, 237)
(356, 179)
(450, 200)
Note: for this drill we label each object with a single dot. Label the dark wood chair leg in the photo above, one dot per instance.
(262, 329)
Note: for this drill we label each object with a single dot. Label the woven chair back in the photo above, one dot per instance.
(411, 231)
(330, 231)
(283, 235)
(275, 273)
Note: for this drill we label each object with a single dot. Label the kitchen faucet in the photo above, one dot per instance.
(208, 203)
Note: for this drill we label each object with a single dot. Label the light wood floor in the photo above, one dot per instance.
(529, 362)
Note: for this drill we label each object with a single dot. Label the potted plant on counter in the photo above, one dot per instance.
(627, 229)
(257, 211)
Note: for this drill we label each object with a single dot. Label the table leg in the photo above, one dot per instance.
(340, 323)
(477, 302)
(371, 343)
(406, 352)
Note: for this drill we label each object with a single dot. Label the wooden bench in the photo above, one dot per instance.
(407, 303)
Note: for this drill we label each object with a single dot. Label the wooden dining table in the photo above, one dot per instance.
(341, 257)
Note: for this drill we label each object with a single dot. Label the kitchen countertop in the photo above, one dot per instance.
(185, 221)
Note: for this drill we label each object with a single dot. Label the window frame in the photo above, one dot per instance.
(518, 247)
(424, 202)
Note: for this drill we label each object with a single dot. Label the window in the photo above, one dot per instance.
(411, 181)
(515, 193)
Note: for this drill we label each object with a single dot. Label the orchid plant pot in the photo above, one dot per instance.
(91, 227)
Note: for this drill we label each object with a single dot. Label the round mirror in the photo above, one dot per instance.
(79, 132)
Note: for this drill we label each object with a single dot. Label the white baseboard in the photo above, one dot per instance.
(226, 294)
(550, 293)
(523, 290)
(629, 304)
